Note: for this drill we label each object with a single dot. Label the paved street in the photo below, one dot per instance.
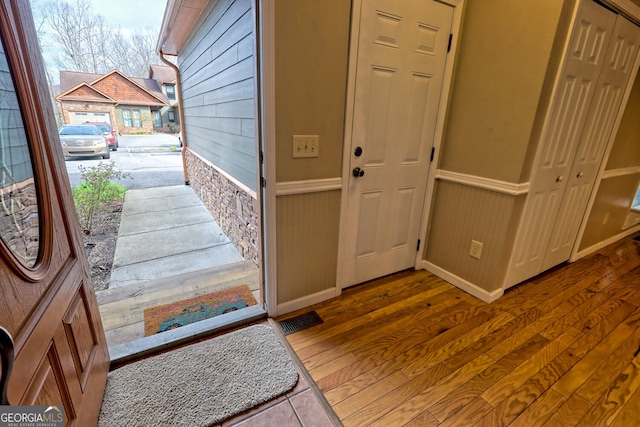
(150, 161)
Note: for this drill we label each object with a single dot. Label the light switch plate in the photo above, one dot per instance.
(305, 146)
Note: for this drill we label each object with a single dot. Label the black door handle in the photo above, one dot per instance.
(6, 356)
(357, 172)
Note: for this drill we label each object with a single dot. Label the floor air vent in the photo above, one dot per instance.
(299, 323)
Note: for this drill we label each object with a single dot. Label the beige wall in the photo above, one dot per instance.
(612, 199)
(509, 54)
(507, 59)
(312, 39)
(500, 74)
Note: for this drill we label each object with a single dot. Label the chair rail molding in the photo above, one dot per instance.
(289, 188)
(504, 187)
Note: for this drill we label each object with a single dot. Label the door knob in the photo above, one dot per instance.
(357, 172)
(6, 357)
(559, 178)
(580, 175)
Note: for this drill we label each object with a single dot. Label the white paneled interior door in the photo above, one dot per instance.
(602, 49)
(402, 50)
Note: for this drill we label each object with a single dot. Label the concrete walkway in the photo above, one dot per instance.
(166, 232)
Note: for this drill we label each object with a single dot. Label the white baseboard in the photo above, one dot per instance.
(588, 251)
(463, 284)
(306, 301)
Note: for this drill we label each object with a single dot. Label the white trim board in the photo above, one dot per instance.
(614, 173)
(490, 184)
(626, 8)
(309, 300)
(267, 125)
(463, 284)
(288, 188)
(588, 251)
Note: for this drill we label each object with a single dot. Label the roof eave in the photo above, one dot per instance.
(178, 21)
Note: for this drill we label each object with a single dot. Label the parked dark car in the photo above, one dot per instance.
(83, 141)
(109, 133)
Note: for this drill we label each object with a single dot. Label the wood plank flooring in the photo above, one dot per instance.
(561, 349)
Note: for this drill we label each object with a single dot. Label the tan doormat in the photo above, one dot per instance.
(175, 314)
(200, 384)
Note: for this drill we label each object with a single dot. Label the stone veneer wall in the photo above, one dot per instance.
(234, 208)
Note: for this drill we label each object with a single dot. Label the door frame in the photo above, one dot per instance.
(266, 103)
(445, 95)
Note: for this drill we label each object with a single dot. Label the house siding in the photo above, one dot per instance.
(120, 88)
(218, 97)
(218, 90)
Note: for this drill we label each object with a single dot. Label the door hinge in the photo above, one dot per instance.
(263, 182)
(261, 156)
(449, 45)
(418, 246)
(433, 151)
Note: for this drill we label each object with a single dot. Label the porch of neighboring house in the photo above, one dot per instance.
(169, 249)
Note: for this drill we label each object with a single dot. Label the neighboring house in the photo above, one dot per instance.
(488, 217)
(167, 116)
(130, 105)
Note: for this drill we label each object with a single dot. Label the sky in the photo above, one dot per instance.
(132, 15)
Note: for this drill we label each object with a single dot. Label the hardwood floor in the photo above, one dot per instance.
(410, 349)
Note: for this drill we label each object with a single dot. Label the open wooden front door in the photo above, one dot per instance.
(47, 302)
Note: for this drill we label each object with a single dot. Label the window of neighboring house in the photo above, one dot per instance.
(136, 119)
(126, 118)
(131, 118)
(172, 117)
(171, 91)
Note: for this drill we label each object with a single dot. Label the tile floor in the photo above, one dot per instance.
(300, 407)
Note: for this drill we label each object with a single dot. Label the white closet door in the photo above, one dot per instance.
(605, 107)
(561, 135)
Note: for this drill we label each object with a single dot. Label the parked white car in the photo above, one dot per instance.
(83, 141)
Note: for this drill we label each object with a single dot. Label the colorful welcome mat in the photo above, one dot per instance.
(173, 315)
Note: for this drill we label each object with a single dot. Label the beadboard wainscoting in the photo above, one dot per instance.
(466, 208)
(308, 218)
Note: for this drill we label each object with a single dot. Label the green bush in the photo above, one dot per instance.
(173, 128)
(96, 192)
